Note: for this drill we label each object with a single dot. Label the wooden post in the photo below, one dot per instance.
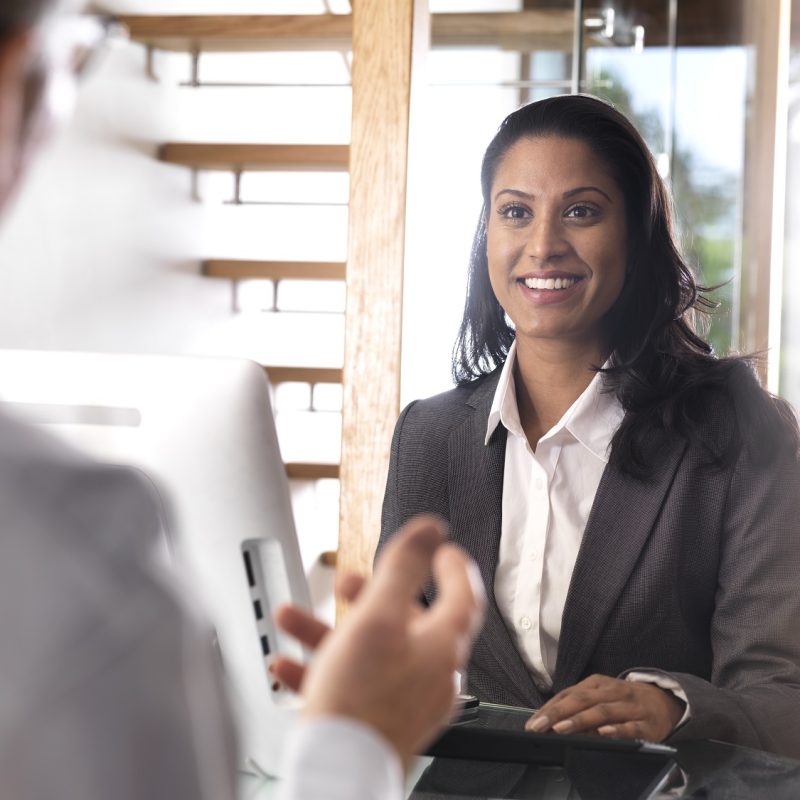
(387, 38)
(767, 33)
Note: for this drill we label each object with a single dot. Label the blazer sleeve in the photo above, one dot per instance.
(392, 516)
(753, 697)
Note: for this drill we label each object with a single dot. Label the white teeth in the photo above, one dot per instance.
(550, 283)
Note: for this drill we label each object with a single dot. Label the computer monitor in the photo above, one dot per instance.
(203, 431)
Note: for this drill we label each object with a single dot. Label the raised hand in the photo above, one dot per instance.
(390, 664)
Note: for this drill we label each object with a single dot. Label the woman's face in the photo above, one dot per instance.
(556, 240)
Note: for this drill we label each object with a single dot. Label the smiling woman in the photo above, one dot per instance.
(631, 499)
(556, 242)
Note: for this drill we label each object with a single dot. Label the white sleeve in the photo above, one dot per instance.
(665, 682)
(335, 758)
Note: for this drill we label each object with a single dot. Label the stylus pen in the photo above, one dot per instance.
(502, 707)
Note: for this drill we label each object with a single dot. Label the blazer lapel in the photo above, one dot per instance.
(622, 518)
(475, 476)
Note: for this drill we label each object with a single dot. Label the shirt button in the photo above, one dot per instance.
(525, 623)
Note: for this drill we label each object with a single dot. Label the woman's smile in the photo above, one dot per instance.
(550, 287)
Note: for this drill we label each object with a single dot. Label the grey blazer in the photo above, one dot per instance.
(695, 572)
(107, 687)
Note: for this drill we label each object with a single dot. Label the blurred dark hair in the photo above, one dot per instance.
(661, 368)
(16, 15)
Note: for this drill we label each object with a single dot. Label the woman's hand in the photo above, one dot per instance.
(610, 707)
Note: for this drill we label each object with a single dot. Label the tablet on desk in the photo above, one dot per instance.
(497, 733)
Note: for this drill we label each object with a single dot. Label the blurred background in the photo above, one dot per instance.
(125, 242)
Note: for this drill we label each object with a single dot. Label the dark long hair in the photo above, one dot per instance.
(662, 369)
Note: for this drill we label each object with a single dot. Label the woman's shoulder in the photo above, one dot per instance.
(450, 408)
(746, 414)
(461, 400)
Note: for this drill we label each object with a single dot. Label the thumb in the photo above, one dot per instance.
(405, 563)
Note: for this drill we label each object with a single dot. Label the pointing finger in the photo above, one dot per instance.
(301, 625)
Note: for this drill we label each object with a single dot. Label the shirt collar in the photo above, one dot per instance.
(504, 404)
(592, 419)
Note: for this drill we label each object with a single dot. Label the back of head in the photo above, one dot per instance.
(29, 48)
(17, 15)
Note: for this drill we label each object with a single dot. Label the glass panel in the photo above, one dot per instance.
(708, 172)
(689, 103)
(790, 322)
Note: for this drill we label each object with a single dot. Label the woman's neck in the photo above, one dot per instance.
(549, 377)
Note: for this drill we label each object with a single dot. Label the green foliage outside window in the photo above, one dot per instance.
(705, 209)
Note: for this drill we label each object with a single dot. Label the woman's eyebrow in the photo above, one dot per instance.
(515, 192)
(580, 189)
(568, 194)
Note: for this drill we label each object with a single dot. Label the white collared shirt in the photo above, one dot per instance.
(547, 496)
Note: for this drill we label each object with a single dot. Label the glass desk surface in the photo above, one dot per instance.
(697, 769)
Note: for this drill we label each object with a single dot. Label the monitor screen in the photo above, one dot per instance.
(203, 431)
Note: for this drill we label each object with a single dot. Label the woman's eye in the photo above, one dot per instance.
(514, 212)
(581, 212)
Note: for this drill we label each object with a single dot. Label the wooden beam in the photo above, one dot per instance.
(311, 472)
(244, 269)
(535, 29)
(311, 375)
(550, 29)
(256, 157)
(542, 27)
(385, 34)
(529, 30)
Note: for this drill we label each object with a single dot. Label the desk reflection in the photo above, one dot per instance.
(700, 769)
(585, 776)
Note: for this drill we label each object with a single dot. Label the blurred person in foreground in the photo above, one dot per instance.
(109, 688)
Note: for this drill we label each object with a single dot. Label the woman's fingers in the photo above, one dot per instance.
(569, 702)
(610, 707)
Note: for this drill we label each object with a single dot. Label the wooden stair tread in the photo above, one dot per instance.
(310, 472)
(243, 269)
(231, 33)
(250, 157)
(304, 374)
(528, 30)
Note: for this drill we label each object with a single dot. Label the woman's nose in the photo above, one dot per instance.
(546, 238)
